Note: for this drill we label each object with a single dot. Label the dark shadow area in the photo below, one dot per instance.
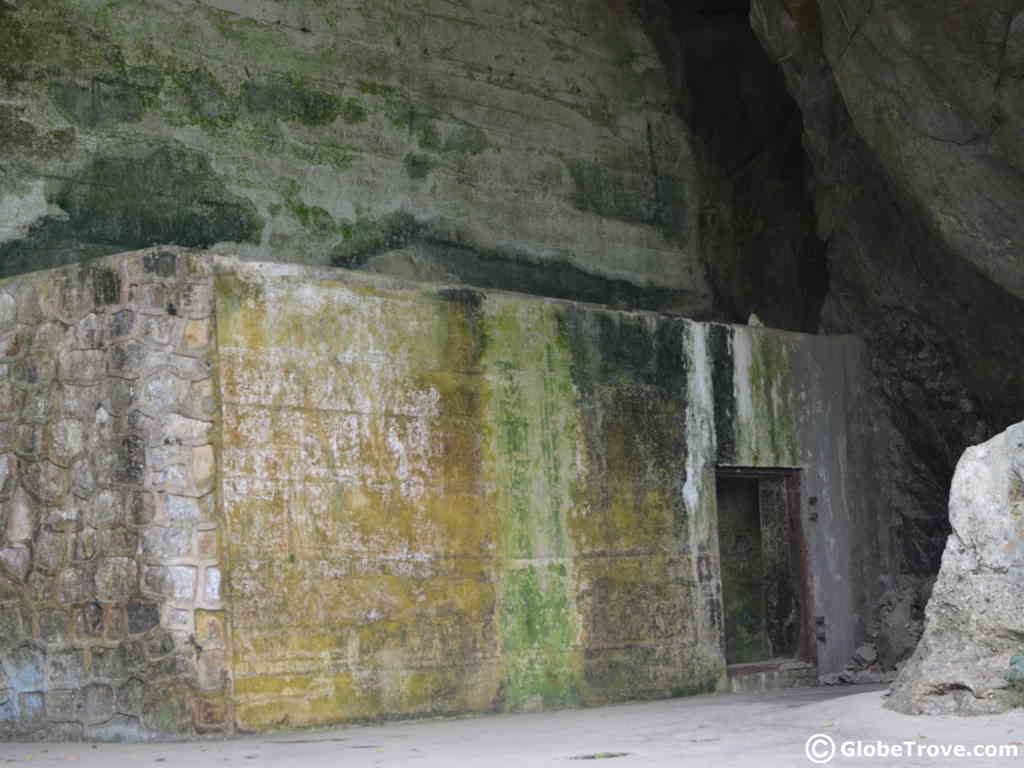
(758, 234)
(759, 578)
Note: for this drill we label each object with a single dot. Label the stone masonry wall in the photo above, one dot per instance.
(249, 496)
(110, 590)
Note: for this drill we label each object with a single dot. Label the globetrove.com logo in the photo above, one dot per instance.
(821, 749)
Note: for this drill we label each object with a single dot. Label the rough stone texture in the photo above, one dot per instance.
(934, 90)
(974, 625)
(909, 126)
(84, 456)
(529, 147)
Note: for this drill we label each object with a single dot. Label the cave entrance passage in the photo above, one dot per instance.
(759, 548)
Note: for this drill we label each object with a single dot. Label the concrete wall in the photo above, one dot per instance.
(529, 146)
(425, 499)
(793, 400)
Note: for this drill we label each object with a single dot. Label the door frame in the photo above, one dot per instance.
(807, 646)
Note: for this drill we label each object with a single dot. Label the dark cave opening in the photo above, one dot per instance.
(806, 225)
(759, 237)
(766, 252)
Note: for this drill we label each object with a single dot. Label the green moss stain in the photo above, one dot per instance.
(353, 111)
(369, 237)
(242, 38)
(267, 137)
(512, 433)
(609, 193)
(468, 139)
(208, 102)
(756, 407)
(421, 122)
(464, 329)
(398, 107)
(631, 372)
(41, 39)
(537, 633)
(530, 426)
(774, 436)
(538, 613)
(107, 99)
(606, 193)
(501, 269)
(312, 217)
(720, 350)
(417, 120)
(235, 299)
(380, 90)
(17, 45)
(417, 166)
(542, 680)
(289, 98)
(532, 421)
(170, 195)
(18, 136)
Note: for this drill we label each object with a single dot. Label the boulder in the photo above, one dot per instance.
(974, 622)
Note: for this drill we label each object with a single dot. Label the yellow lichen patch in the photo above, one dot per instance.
(459, 688)
(356, 516)
(289, 702)
(211, 630)
(257, 515)
(290, 685)
(439, 501)
(196, 335)
(634, 600)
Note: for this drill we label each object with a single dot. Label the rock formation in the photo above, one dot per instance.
(525, 147)
(974, 623)
(912, 118)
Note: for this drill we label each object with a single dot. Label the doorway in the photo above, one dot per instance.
(764, 594)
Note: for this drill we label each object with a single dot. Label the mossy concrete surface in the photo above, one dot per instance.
(444, 500)
(537, 135)
(320, 496)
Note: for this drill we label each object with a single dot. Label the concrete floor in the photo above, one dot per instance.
(716, 731)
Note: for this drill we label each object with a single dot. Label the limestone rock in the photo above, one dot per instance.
(156, 136)
(974, 622)
(862, 669)
(866, 655)
(912, 125)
